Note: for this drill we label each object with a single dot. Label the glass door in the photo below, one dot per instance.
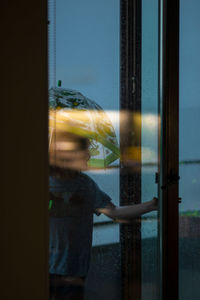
(84, 65)
(150, 150)
(189, 161)
(108, 69)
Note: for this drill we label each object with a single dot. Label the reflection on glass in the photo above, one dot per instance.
(74, 198)
(150, 121)
(85, 157)
(189, 188)
(67, 123)
(79, 115)
(85, 56)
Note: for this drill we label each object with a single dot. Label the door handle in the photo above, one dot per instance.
(171, 178)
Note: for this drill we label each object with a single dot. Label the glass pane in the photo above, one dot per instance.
(84, 151)
(189, 190)
(84, 65)
(149, 146)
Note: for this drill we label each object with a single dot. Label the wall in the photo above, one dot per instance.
(24, 150)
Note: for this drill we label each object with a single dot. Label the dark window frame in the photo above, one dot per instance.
(130, 177)
(168, 146)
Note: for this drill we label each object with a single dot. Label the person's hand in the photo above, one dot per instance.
(154, 203)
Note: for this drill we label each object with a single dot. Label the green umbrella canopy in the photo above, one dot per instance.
(84, 117)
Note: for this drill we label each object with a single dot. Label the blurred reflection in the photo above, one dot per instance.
(68, 151)
(66, 126)
(72, 112)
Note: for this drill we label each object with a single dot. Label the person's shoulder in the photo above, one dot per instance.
(86, 179)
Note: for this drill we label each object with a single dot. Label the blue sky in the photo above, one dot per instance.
(87, 57)
(189, 53)
(87, 50)
(87, 54)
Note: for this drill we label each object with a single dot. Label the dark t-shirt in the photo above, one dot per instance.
(73, 202)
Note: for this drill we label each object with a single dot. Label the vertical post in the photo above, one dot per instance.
(169, 170)
(130, 141)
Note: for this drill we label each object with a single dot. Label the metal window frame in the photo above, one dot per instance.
(168, 145)
(169, 148)
(130, 102)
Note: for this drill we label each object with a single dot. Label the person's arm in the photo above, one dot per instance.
(128, 212)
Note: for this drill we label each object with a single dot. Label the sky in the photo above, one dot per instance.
(189, 53)
(87, 59)
(87, 54)
(87, 49)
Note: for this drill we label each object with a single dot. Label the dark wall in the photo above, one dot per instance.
(24, 150)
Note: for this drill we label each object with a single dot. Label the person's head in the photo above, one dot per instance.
(68, 151)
